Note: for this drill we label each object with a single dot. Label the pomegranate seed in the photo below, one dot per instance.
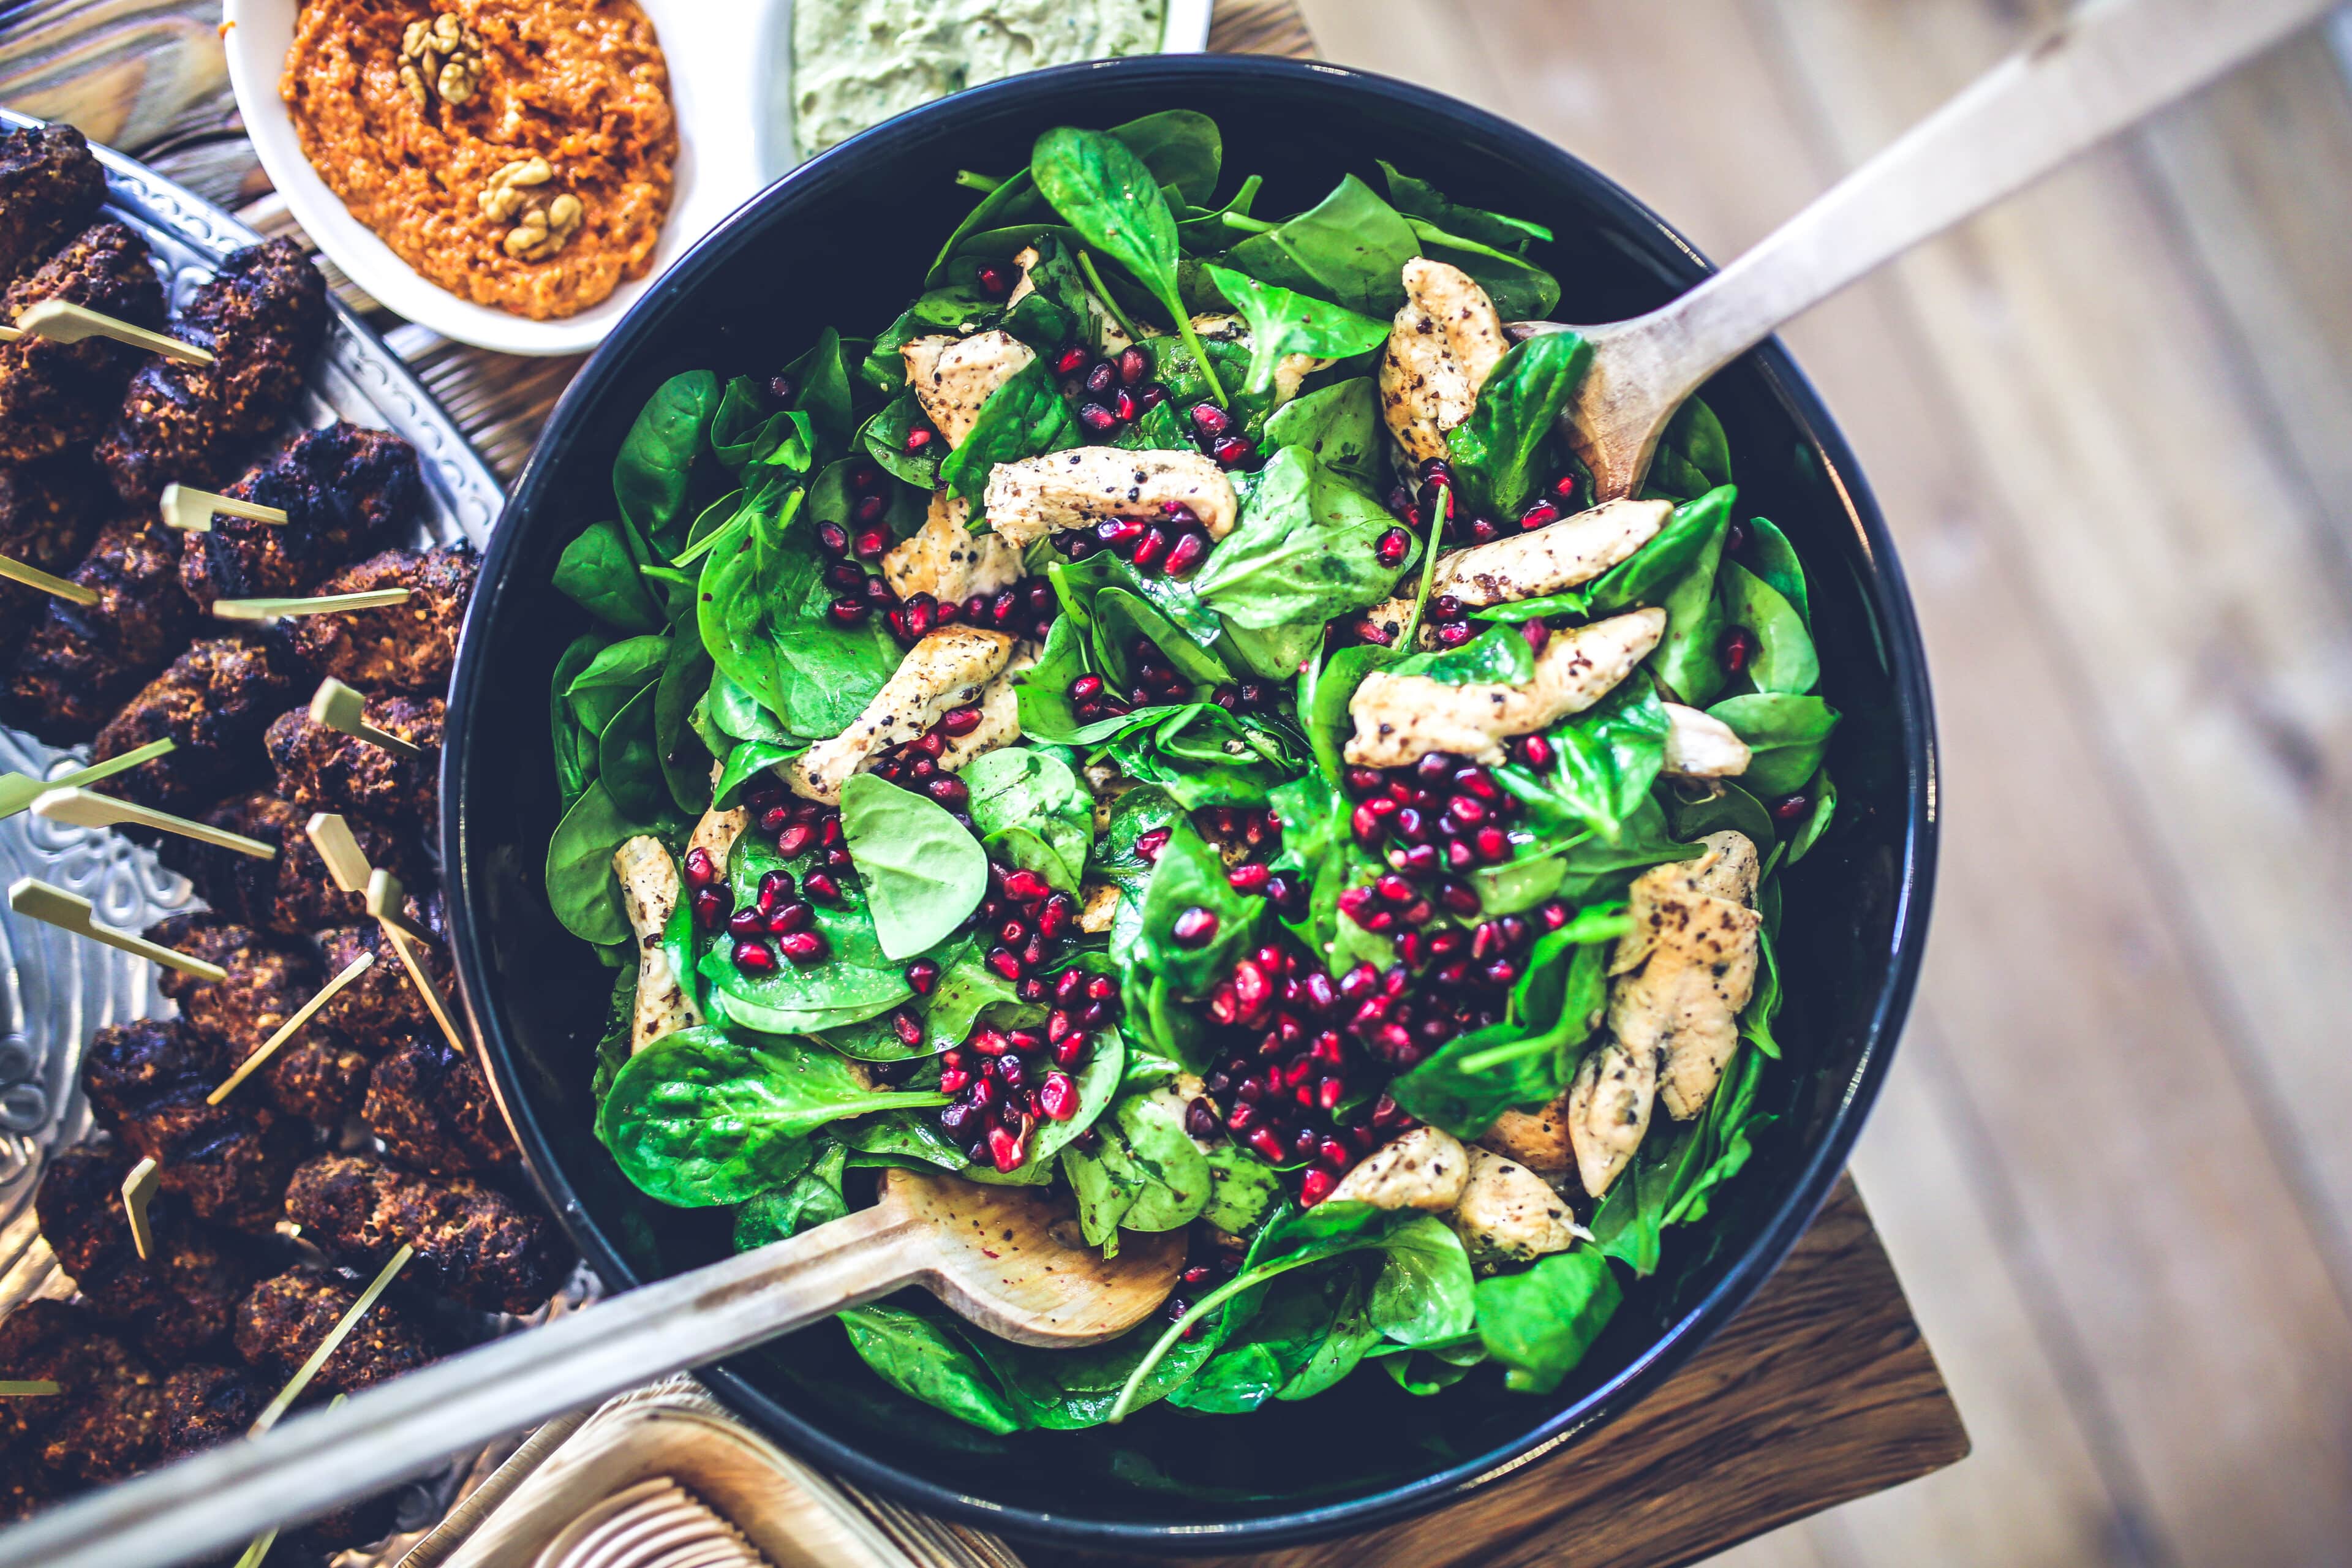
(1101, 988)
(909, 1028)
(791, 917)
(710, 908)
(1071, 1051)
(1196, 927)
(1536, 515)
(1134, 365)
(1790, 807)
(776, 887)
(1070, 360)
(1249, 877)
(989, 1042)
(1185, 556)
(1436, 471)
(820, 886)
(1452, 634)
(1231, 451)
(869, 509)
(920, 610)
(870, 542)
(1005, 962)
(975, 610)
(804, 947)
(1057, 1097)
(1005, 1151)
(1393, 889)
(1466, 809)
(984, 1092)
(1124, 406)
(847, 612)
(1391, 547)
(1502, 971)
(1315, 1186)
(1057, 915)
(1148, 845)
(954, 1080)
(949, 791)
(1010, 1070)
(1211, 420)
(1494, 846)
(1025, 887)
(1014, 932)
(922, 975)
(746, 924)
(1097, 419)
(1268, 1145)
(754, 958)
(1535, 750)
(994, 281)
(919, 438)
(960, 721)
(1150, 549)
(1738, 649)
(702, 870)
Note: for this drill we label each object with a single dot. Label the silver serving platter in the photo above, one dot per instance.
(55, 988)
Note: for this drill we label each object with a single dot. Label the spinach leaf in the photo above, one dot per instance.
(1338, 425)
(1024, 417)
(1539, 1324)
(1120, 618)
(1497, 450)
(575, 744)
(764, 618)
(1421, 1295)
(1528, 1057)
(857, 983)
(1202, 756)
(1817, 816)
(1725, 805)
(1785, 661)
(1419, 198)
(884, 437)
(1676, 1169)
(598, 571)
(918, 1355)
(1313, 1313)
(923, 872)
(1350, 249)
(703, 1117)
(1042, 692)
(1189, 876)
(742, 716)
(628, 761)
(1774, 559)
(1304, 551)
(1106, 193)
(1016, 789)
(1180, 147)
(1498, 656)
(821, 391)
(744, 432)
(1641, 578)
(1604, 759)
(1323, 703)
(1694, 456)
(618, 673)
(746, 761)
(1519, 288)
(620, 1015)
(685, 680)
(1242, 1189)
(581, 885)
(1284, 322)
(1789, 735)
(654, 471)
(1688, 658)
(810, 1199)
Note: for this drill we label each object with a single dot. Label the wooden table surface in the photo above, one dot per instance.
(1821, 1391)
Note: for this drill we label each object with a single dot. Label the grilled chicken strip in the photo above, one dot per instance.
(147, 1081)
(264, 316)
(54, 396)
(951, 377)
(1447, 341)
(473, 1243)
(1537, 1139)
(1702, 746)
(286, 1317)
(409, 647)
(946, 559)
(1689, 966)
(48, 513)
(213, 701)
(177, 1302)
(345, 492)
(320, 769)
(50, 187)
(1549, 560)
(317, 1074)
(80, 662)
(1425, 1169)
(1607, 1110)
(650, 890)
(432, 1110)
(1000, 715)
(1508, 1215)
(949, 668)
(1081, 486)
(1400, 718)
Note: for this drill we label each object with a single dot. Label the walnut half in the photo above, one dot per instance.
(440, 55)
(544, 231)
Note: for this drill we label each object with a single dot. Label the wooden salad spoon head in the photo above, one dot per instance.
(1008, 1258)
(2106, 65)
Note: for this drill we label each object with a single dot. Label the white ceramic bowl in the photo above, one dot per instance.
(729, 69)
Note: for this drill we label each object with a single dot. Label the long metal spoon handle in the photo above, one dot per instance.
(2106, 65)
(218, 1499)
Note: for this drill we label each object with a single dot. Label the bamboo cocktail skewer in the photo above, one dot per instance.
(190, 510)
(62, 322)
(292, 1027)
(84, 808)
(338, 707)
(27, 1388)
(19, 791)
(31, 897)
(384, 899)
(139, 1190)
(317, 605)
(16, 571)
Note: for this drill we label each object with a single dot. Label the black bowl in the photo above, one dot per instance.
(845, 241)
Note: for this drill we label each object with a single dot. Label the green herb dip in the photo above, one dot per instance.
(855, 63)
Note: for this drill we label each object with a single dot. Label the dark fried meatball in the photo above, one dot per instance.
(100, 1424)
(345, 491)
(147, 1081)
(56, 396)
(381, 1006)
(176, 1303)
(292, 894)
(264, 315)
(409, 647)
(26, 1489)
(317, 1074)
(48, 514)
(214, 702)
(473, 1243)
(283, 1319)
(204, 1404)
(432, 1108)
(50, 186)
(320, 769)
(80, 662)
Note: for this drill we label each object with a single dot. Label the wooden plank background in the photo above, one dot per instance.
(2109, 424)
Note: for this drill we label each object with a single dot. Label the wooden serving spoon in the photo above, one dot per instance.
(1008, 1258)
(2108, 64)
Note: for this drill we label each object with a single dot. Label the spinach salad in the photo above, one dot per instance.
(1164, 718)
